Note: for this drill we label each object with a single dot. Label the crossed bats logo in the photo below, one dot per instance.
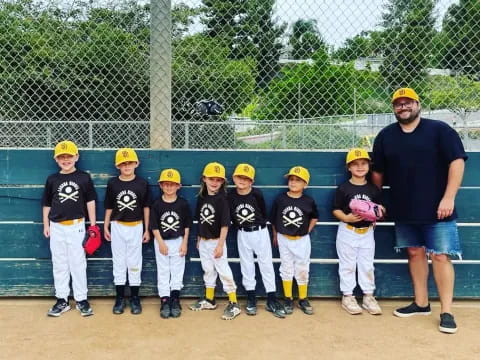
(292, 217)
(170, 222)
(245, 214)
(207, 214)
(126, 202)
(68, 193)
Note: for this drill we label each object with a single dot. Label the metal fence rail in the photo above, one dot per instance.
(180, 74)
(334, 132)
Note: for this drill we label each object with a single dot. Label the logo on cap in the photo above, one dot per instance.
(246, 168)
(125, 154)
(169, 174)
(64, 146)
(217, 169)
(297, 170)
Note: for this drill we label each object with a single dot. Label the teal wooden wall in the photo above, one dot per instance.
(25, 265)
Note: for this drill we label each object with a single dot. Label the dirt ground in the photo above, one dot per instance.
(27, 333)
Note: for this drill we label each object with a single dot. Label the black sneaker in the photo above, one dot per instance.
(84, 308)
(59, 308)
(251, 308)
(304, 304)
(165, 307)
(276, 308)
(135, 305)
(288, 306)
(175, 308)
(120, 305)
(412, 309)
(447, 323)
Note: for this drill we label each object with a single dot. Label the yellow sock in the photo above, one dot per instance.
(302, 291)
(232, 297)
(287, 288)
(210, 293)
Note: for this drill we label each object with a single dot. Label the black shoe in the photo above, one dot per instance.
(135, 305)
(59, 308)
(276, 308)
(288, 306)
(412, 309)
(175, 308)
(84, 308)
(251, 308)
(165, 307)
(304, 304)
(120, 305)
(447, 323)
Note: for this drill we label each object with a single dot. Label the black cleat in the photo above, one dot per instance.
(135, 305)
(120, 305)
(276, 308)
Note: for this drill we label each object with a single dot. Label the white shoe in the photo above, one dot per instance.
(349, 303)
(203, 304)
(371, 305)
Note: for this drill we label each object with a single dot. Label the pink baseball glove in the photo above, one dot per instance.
(368, 210)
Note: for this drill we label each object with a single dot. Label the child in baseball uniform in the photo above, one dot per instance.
(249, 215)
(294, 215)
(68, 198)
(213, 216)
(170, 223)
(355, 241)
(127, 215)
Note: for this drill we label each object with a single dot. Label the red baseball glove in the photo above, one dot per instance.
(93, 239)
(368, 210)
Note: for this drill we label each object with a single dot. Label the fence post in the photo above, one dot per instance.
(187, 136)
(160, 75)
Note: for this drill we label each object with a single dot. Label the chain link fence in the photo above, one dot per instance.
(236, 74)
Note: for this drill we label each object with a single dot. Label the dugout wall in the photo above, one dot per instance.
(25, 264)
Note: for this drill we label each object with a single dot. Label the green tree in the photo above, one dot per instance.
(461, 51)
(409, 30)
(366, 44)
(305, 39)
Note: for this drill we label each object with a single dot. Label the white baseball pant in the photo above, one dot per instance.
(256, 242)
(126, 253)
(294, 258)
(170, 268)
(68, 259)
(213, 267)
(355, 252)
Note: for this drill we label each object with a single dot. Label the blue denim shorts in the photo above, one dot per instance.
(436, 238)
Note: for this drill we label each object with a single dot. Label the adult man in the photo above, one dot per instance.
(422, 161)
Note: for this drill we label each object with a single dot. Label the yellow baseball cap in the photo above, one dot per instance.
(170, 175)
(406, 93)
(214, 169)
(124, 155)
(245, 170)
(65, 147)
(355, 154)
(299, 171)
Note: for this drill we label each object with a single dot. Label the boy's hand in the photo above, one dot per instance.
(218, 251)
(46, 231)
(146, 237)
(352, 218)
(106, 233)
(183, 250)
(163, 248)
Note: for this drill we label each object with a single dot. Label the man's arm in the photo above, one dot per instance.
(377, 179)
(455, 176)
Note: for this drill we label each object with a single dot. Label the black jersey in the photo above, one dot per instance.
(291, 216)
(127, 199)
(212, 213)
(348, 191)
(247, 210)
(170, 218)
(67, 195)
